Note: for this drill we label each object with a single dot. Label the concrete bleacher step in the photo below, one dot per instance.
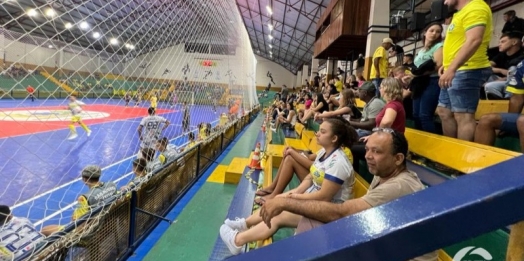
(235, 170)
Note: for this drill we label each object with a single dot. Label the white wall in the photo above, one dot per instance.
(67, 58)
(498, 21)
(280, 74)
(175, 59)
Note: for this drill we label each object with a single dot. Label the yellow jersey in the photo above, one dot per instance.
(153, 101)
(383, 63)
(339, 85)
(202, 133)
(475, 13)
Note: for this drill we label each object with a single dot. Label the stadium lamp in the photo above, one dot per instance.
(269, 10)
(84, 25)
(96, 35)
(113, 41)
(68, 25)
(50, 12)
(32, 12)
(270, 37)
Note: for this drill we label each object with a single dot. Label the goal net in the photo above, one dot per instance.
(191, 60)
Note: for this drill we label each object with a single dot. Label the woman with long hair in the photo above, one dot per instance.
(331, 178)
(425, 95)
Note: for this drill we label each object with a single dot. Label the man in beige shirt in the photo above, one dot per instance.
(386, 159)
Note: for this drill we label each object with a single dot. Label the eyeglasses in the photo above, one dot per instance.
(386, 130)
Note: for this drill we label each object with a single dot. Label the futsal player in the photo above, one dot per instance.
(153, 100)
(186, 118)
(75, 106)
(18, 235)
(150, 129)
(127, 98)
(138, 97)
(31, 92)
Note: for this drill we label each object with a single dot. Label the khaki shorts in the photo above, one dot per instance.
(307, 224)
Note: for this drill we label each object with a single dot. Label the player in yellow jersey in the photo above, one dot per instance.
(75, 106)
(153, 100)
(466, 66)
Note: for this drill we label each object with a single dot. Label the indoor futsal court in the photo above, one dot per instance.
(42, 168)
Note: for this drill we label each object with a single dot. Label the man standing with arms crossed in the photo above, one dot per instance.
(465, 67)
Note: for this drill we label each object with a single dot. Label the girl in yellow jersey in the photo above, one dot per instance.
(75, 107)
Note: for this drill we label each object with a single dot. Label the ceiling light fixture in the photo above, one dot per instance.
(269, 10)
(32, 12)
(113, 41)
(84, 25)
(50, 12)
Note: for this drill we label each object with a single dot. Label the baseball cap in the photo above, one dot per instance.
(5, 211)
(368, 87)
(387, 40)
(92, 171)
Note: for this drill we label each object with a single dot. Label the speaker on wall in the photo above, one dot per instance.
(439, 11)
(418, 22)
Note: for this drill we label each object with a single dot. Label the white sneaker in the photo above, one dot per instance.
(237, 224)
(88, 133)
(228, 236)
(72, 136)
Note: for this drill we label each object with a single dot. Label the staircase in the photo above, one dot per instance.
(64, 86)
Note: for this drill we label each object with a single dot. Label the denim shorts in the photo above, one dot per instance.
(464, 93)
(509, 123)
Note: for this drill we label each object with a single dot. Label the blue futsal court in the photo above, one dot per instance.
(40, 169)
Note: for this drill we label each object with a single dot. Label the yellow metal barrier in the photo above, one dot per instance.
(62, 85)
(460, 155)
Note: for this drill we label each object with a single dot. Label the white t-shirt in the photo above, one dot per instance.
(76, 107)
(336, 168)
(151, 130)
(17, 237)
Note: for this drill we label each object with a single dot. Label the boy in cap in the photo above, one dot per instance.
(98, 191)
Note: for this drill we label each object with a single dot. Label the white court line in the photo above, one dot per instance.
(78, 179)
(75, 180)
(65, 184)
(129, 119)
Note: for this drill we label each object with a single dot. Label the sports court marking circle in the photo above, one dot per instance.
(48, 115)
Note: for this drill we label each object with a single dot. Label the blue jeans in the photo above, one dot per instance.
(377, 82)
(425, 105)
(464, 94)
(509, 123)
